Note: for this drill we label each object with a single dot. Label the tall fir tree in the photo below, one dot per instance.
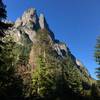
(97, 56)
(3, 11)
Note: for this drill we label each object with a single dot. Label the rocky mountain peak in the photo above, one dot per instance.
(42, 21)
(30, 16)
(29, 19)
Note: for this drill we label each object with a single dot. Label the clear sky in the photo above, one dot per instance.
(76, 22)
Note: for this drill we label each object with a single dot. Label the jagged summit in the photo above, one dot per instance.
(31, 20)
(29, 23)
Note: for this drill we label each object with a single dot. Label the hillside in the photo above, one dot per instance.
(35, 65)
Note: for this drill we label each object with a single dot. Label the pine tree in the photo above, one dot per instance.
(42, 82)
(2, 11)
(97, 56)
(45, 75)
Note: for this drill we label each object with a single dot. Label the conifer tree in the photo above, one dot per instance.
(8, 77)
(97, 56)
(2, 11)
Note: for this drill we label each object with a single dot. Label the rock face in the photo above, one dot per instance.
(29, 16)
(24, 32)
(61, 49)
(82, 68)
(29, 23)
(42, 22)
(29, 19)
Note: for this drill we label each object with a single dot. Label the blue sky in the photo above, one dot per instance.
(76, 22)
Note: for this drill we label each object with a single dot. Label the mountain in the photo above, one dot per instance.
(45, 64)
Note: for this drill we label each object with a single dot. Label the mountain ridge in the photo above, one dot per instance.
(31, 16)
(37, 46)
(29, 23)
